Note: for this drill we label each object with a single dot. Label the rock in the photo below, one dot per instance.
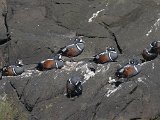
(40, 28)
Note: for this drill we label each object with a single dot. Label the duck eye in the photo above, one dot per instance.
(81, 40)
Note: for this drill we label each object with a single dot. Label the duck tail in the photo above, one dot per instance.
(39, 66)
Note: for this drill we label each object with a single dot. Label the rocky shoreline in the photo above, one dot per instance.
(39, 28)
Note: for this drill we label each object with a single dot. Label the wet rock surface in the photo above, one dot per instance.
(39, 29)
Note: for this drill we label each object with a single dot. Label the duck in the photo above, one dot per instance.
(149, 54)
(156, 46)
(73, 50)
(129, 70)
(13, 70)
(74, 86)
(55, 62)
(110, 55)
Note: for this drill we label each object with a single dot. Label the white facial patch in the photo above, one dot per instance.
(151, 45)
(109, 54)
(14, 71)
(135, 68)
(78, 47)
(69, 81)
(121, 70)
(64, 49)
(81, 40)
(56, 64)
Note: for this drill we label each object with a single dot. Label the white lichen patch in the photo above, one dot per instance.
(141, 79)
(3, 84)
(102, 68)
(70, 66)
(149, 31)
(84, 68)
(112, 90)
(95, 15)
(111, 80)
(75, 66)
(86, 71)
(28, 73)
(154, 27)
(3, 96)
(152, 65)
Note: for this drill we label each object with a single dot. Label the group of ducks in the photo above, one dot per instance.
(74, 84)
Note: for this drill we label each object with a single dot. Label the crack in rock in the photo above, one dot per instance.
(22, 94)
(96, 109)
(28, 106)
(52, 51)
(106, 26)
(90, 36)
(133, 90)
(70, 116)
(62, 3)
(6, 40)
(127, 104)
(14, 88)
(136, 118)
(61, 25)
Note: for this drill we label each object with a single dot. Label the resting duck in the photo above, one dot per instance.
(109, 55)
(13, 70)
(149, 54)
(156, 46)
(74, 49)
(129, 70)
(74, 86)
(48, 64)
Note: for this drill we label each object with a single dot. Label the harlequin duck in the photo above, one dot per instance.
(74, 49)
(74, 86)
(129, 70)
(152, 52)
(48, 64)
(13, 70)
(156, 46)
(109, 55)
(148, 55)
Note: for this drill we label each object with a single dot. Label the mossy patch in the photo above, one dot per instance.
(9, 112)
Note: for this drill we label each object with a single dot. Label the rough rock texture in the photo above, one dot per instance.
(39, 28)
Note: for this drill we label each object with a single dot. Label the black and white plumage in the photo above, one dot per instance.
(129, 70)
(156, 46)
(55, 62)
(13, 70)
(74, 49)
(109, 55)
(149, 54)
(74, 86)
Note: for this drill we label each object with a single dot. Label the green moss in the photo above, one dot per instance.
(9, 112)
(156, 118)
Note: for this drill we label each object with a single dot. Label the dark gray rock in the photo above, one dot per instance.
(39, 28)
